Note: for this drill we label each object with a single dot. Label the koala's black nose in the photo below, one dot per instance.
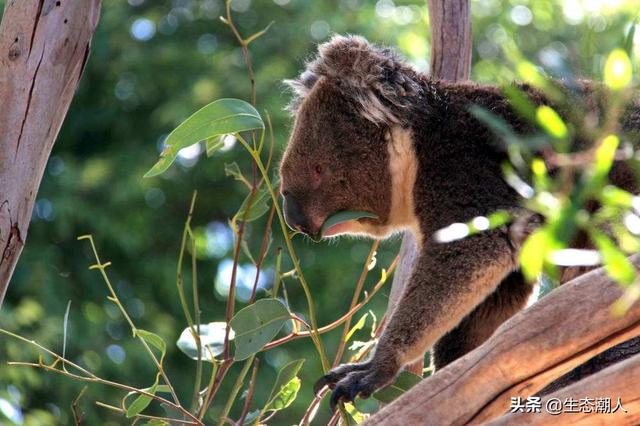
(293, 214)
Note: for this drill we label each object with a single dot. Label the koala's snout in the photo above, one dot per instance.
(294, 216)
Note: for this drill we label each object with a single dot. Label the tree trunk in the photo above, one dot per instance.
(450, 22)
(44, 45)
(532, 349)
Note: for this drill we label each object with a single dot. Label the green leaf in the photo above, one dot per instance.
(605, 154)
(356, 415)
(141, 402)
(254, 206)
(154, 340)
(618, 70)
(359, 325)
(285, 376)
(256, 325)
(615, 261)
(345, 216)
(286, 395)
(232, 169)
(533, 253)
(520, 102)
(213, 144)
(211, 341)
(551, 122)
(403, 383)
(224, 116)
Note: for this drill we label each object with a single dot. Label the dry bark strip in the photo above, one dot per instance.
(450, 22)
(571, 324)
(620, 381)
(44, 45)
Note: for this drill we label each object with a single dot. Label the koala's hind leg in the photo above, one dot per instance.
(510, 297)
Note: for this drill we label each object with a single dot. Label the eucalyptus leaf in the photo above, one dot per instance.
(286, 395)
(403, 383)
(141, 402)
(345, 216)
(254, 206)
(213, 144)
(224, 116)
(256, 324)
(211, 341)
(154, 340)
(285, 375)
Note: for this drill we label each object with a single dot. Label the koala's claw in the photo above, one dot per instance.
(337, 374)
(350, 380)
(358, 383)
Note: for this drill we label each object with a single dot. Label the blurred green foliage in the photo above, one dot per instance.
(152, 64)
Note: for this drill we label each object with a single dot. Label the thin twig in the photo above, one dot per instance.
(250, 391)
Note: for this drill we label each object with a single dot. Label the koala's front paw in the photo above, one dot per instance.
(350, 380)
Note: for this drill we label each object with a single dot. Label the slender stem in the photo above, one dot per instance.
(340, 320)
(236, 389)
(354, 301)
(251, 390)
(171, 420)
(263, 254)
(95, 379)
(114, 298)
(215, 385)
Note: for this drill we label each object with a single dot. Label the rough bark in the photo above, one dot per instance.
(529, 351)
(617, 382)
(450, 22)
(44, 45)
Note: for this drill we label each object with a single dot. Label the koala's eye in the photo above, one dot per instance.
(317, 171)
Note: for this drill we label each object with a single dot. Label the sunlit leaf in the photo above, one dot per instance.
(614, 196)
(286, 395)
(604, 157)
(285, 376)
(359, 325)
(403, 383)
(616, 263)
(224, 116)
(211, 341)
(356, 415)
(154, 340)
(618, 70)
(530, 74)
(533, 253)
(256, 324)
(551, 122)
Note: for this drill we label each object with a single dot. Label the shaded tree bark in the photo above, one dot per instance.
(450, 22)
(44, 45)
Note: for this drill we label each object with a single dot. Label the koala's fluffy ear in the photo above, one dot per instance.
(376, 79)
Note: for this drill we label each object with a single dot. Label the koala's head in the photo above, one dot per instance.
(349, 103)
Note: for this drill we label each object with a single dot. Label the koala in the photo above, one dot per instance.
(372, 134)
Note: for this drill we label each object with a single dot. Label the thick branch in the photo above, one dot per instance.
(617, 382)
(525, 354)
(44, 45)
